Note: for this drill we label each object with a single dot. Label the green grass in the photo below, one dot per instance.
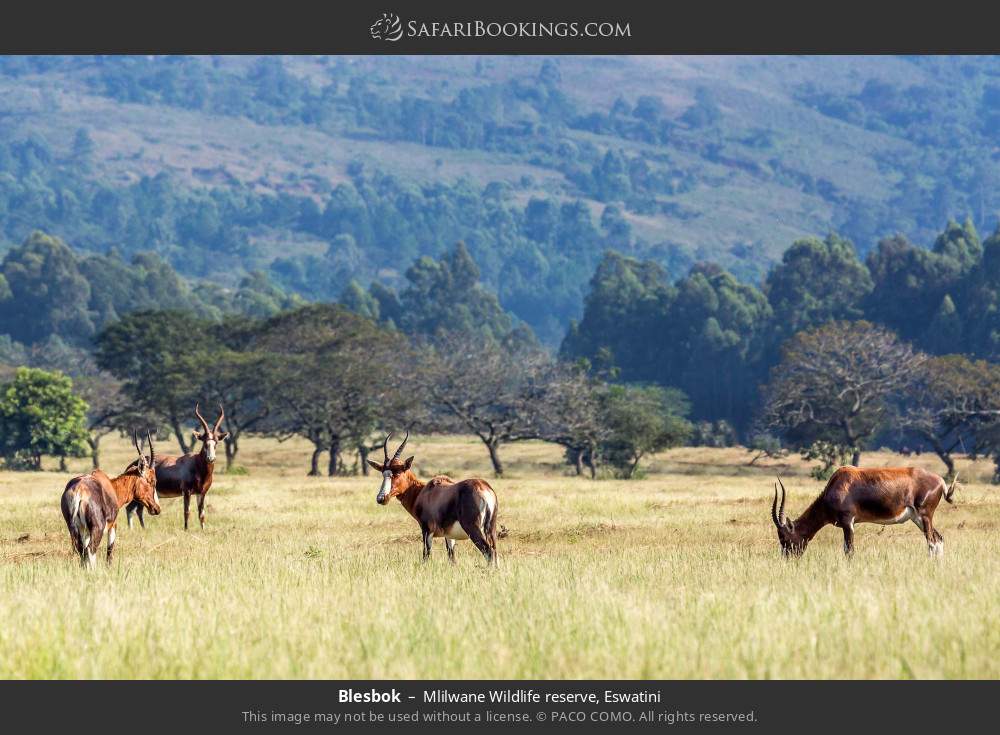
(674, 576)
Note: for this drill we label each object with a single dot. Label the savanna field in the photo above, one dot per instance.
(675, 575)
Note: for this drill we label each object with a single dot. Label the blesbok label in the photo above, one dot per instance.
(369, 696)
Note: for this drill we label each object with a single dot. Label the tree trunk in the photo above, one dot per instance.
(592, 462)
(62, 463)
(179, 433)
(95, 451)
(232, 449)
(856, 458)
(632, 468)
(578, 461)
(331, 469)
(494, 448)
(363, 459)
(314, 466)
(945, 456)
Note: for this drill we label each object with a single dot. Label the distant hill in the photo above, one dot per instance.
(321, 170)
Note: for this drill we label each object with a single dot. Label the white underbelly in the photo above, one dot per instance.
(455, 532)
(907, 515)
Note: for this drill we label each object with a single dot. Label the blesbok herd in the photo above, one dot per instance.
(468, 509)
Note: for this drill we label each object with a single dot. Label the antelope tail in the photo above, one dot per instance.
(78, 521)
(491, 525)
(950, 490)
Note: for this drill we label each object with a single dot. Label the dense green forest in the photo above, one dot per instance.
(716, 338)
(690, 225)
(317, 171)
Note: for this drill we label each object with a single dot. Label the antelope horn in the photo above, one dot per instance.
(385, 447)
(222, 415)
(135, 442)
(400, 450)
(200, 417)
(149, 439)
(781, 508)
(774, 507)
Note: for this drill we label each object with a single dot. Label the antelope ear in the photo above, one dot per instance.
(407, 463)
(376, 465)
(196, 434)
(222, 436)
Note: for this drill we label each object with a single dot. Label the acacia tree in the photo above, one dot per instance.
(834, 384)
(238, 382)
(493, 389)
(163, 359)
(333, 378)
(951, 401)
(108, 410)
(571, 414)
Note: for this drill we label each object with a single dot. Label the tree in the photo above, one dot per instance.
(48, 294)
(950, 401)
(762, 444)
(656, 332)
(164, 359)
(495, 390)
(333, 378)
(445, 295)
(238, 384)
(83, 147)
(108, 410)
(40, 414)
(641, 420)
(570, 413)
(834, 384)
(979, 303)
(816, 282)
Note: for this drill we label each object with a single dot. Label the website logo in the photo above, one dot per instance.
(387, 28)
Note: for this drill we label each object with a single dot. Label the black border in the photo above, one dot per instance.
(664, 27)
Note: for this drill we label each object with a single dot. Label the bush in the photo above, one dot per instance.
(39, 415)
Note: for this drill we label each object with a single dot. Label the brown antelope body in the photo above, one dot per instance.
(190, 474)
(90, 503)
(885, 496)
(443, 508)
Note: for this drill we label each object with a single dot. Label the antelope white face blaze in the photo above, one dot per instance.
(210, 450)
(385, 487)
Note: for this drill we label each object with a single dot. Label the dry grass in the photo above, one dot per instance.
(676, 575)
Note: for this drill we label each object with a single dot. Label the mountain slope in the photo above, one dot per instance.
(328, 169)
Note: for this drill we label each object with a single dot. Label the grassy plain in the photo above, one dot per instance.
(676, 575)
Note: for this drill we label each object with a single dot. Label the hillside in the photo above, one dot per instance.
(323, 170)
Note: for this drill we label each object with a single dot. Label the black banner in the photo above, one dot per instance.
(511, 27)
(524, 706)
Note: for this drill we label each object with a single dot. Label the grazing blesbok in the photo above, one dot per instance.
(90, 503)
(886, 496)
(443, 507)
(191, 473)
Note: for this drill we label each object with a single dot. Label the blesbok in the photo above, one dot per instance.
(444, 508)
(191, 473)
(90, 503)
(886, 496)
